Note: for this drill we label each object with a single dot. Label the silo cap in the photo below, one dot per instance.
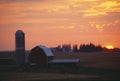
(19, 32)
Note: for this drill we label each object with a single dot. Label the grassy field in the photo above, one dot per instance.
(93, 66)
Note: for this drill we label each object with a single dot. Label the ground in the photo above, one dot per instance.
(93, 66)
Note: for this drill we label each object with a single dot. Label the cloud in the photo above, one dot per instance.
(103, 8)
(109, 4)
(101, 26)
(94, 12)
(60, 12)
(9, 1)
(62, 27)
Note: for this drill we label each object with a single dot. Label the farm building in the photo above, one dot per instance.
(20, 48)
(40, 55)
(65, 62)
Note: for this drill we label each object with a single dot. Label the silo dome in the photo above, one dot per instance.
(19, 32)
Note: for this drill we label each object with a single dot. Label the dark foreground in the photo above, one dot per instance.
(93, 66)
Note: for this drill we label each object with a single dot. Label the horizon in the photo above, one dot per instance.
(56, 22)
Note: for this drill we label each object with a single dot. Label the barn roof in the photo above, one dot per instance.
(64, 61)
(47, 50)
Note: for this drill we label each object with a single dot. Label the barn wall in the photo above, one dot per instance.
(38, 56)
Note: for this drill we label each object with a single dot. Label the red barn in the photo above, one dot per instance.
(40, 55)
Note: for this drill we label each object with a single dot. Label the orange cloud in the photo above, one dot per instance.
(62, 27)
(103, 8)
(109, 4)
(94, 12)
(80, 20)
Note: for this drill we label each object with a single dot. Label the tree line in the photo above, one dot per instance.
(87, 48)
(82, 48)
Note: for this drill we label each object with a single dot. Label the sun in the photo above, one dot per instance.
(109, 47)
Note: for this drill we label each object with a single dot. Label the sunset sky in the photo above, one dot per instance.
(54, 22)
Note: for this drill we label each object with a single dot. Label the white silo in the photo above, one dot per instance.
(20, 48)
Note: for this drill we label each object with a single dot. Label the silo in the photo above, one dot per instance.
(20, 48)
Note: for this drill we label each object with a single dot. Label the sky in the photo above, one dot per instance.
(56, 22)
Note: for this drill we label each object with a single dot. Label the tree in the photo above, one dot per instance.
(75, 49)
(90, 48)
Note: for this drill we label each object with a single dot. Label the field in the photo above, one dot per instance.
(93, 66)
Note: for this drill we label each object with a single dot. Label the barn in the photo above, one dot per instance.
(65, 62)
(40, 55)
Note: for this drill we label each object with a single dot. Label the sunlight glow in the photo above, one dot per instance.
(109, 47)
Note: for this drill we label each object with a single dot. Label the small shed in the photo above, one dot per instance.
(65, 62)
(40, 55)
